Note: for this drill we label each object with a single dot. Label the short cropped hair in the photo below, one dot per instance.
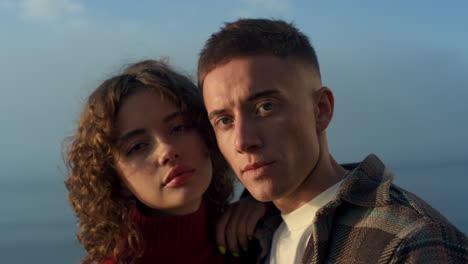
(255, 37)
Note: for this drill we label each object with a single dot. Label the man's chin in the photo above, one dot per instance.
(262, 196)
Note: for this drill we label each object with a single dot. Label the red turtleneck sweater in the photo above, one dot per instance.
(177, 239)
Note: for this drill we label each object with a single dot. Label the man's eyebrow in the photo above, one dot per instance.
(215, 113)
(261, 94)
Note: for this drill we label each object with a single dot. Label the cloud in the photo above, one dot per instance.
(52, 11)
(262, 7)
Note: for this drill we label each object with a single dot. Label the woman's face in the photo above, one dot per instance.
(164, 163)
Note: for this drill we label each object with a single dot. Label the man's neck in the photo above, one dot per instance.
(327, 173)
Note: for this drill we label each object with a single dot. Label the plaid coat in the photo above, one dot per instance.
(373, 221)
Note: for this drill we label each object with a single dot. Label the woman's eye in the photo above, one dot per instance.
(179, 128)
(137, 148)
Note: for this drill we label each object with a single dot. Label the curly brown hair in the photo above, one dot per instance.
(95, 189)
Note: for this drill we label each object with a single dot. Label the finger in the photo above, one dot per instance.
(232, 231)
(221, 231)
(242, 231)
(253, 218)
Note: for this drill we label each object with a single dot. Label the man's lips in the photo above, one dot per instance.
(256, 165)
(178, 175)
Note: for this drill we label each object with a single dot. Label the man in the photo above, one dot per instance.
(264, 97)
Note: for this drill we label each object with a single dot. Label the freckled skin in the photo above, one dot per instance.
(146, 159)
(274, 110)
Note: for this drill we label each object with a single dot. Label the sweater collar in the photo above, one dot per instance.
(367, 184)
(171, 234)
(155, 213)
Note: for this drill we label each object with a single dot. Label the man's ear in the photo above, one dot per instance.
(324, 106)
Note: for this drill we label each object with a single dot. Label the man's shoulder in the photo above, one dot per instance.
(414, 209)
(371, 196)
(405, 214)
(420, 218)
(425, 234)
(406, 230)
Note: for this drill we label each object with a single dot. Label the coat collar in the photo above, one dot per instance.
(367, 184)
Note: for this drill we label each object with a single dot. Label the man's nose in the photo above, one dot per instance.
(247, 135)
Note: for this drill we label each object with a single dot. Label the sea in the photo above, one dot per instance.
(37, 225)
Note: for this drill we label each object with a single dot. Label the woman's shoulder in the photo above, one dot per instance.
(109, 261)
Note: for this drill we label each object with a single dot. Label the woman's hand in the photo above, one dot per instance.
(236, 226)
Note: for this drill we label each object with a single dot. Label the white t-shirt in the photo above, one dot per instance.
(291, 237)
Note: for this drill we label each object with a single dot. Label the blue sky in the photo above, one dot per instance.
(399, 70)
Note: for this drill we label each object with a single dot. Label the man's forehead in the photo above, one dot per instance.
(230, 94)
(244, 70)
(240, 79)
(225, 83)
(252, 68)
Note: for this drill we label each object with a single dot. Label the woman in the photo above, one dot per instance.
(146, 177)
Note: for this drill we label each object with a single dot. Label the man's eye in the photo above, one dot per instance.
(224, 121)
(265, 108)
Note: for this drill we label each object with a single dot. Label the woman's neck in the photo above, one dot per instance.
(153, 212)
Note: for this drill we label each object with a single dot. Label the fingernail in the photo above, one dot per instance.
(222, 250)
(249, 237)
(235, 254)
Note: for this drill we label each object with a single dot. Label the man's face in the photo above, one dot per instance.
(263, 113)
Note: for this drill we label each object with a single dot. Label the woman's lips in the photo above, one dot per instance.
(180, 179)
(178, 176)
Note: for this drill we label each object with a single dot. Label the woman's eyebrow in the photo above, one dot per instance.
(133, 133)
(139, 131)
(172, 116)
